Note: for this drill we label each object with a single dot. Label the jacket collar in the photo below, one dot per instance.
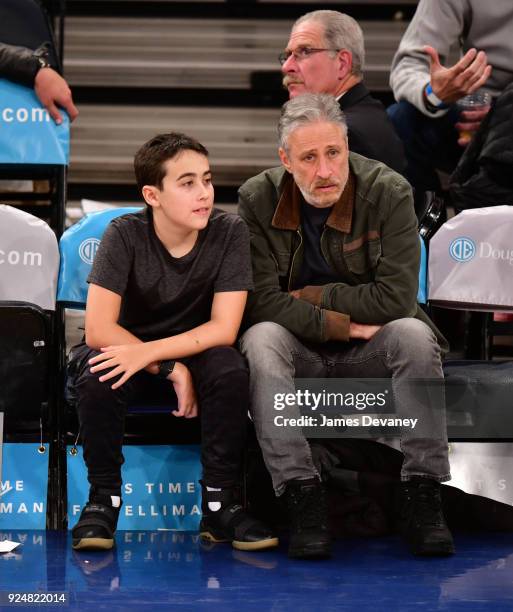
(288, 211)
(353, 95)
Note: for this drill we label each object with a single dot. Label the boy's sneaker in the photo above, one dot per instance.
(231, 523)
(97, 524)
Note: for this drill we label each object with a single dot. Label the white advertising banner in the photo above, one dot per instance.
(471, 260)
(29, 259)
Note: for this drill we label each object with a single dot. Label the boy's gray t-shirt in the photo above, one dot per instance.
(162, 295)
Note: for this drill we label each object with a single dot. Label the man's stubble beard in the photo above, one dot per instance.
(313, 201)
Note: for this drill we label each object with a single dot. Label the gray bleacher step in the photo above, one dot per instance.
(197, 53)
(241, 141)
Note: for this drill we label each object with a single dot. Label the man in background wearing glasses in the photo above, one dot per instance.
(325, 54)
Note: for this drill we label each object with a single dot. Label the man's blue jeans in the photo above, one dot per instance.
(403, 350)
(429, 143)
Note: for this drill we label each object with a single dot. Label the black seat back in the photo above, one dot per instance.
(24, 360)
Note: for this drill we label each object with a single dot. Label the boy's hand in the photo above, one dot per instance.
(184, 389)
(125, 360)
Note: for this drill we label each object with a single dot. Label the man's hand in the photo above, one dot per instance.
(469, 127)
(311, 294)
(184, 389)
(466, 76)
(361, 331)
(125, 360)
(52, 91)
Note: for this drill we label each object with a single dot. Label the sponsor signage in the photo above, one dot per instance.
(29, 258)
(471, 259)
(23, 488)
(161, 488)
(28, 135)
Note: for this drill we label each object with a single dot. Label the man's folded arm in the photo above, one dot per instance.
(393, 292)
(268, 302)
(18, 64)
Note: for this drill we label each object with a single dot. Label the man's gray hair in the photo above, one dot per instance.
(309, 108)
(340, 32)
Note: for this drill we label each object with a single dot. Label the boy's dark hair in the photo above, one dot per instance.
(150, 158)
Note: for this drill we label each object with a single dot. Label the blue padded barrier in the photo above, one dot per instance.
(160, 487)
(78, 246)
(28, 135)
(23, 487)
(422, 294)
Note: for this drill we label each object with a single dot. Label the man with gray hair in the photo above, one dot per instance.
(325, 54)
(335, 256)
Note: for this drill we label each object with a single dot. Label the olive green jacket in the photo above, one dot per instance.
(370, 240)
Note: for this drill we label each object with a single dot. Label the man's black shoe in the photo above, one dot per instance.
(307, 509)
(231, 523)
(421, 520)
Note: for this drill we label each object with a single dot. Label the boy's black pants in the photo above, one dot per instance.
(221, 381)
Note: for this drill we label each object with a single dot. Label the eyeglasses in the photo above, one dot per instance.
(300, 54)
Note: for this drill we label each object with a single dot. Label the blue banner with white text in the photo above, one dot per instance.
(28, 134)
(23, 488)
(160, 489)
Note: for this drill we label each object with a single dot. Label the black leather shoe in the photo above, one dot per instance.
(309, 534)
(231, 523)
(421, 520)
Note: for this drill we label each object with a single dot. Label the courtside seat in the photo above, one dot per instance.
(470, 269)
(78, 247)
(30, 356)
(149, 426)
(29, 264)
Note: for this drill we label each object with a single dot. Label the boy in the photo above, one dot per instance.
(166, 296)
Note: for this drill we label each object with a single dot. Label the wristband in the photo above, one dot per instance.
(432, 99)
(165, 368)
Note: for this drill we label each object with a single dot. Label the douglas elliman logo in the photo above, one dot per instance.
(464, 249)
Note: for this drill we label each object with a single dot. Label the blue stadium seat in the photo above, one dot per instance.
(29, 332)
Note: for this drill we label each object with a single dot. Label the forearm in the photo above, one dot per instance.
(306, 321)
(393, 269)
(194, 341)
(436, 24)
(18, 64)
(97, 337)
(111, 335)
(408, 80)
(371, 303)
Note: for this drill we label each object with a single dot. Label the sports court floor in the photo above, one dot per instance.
(164, 570)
